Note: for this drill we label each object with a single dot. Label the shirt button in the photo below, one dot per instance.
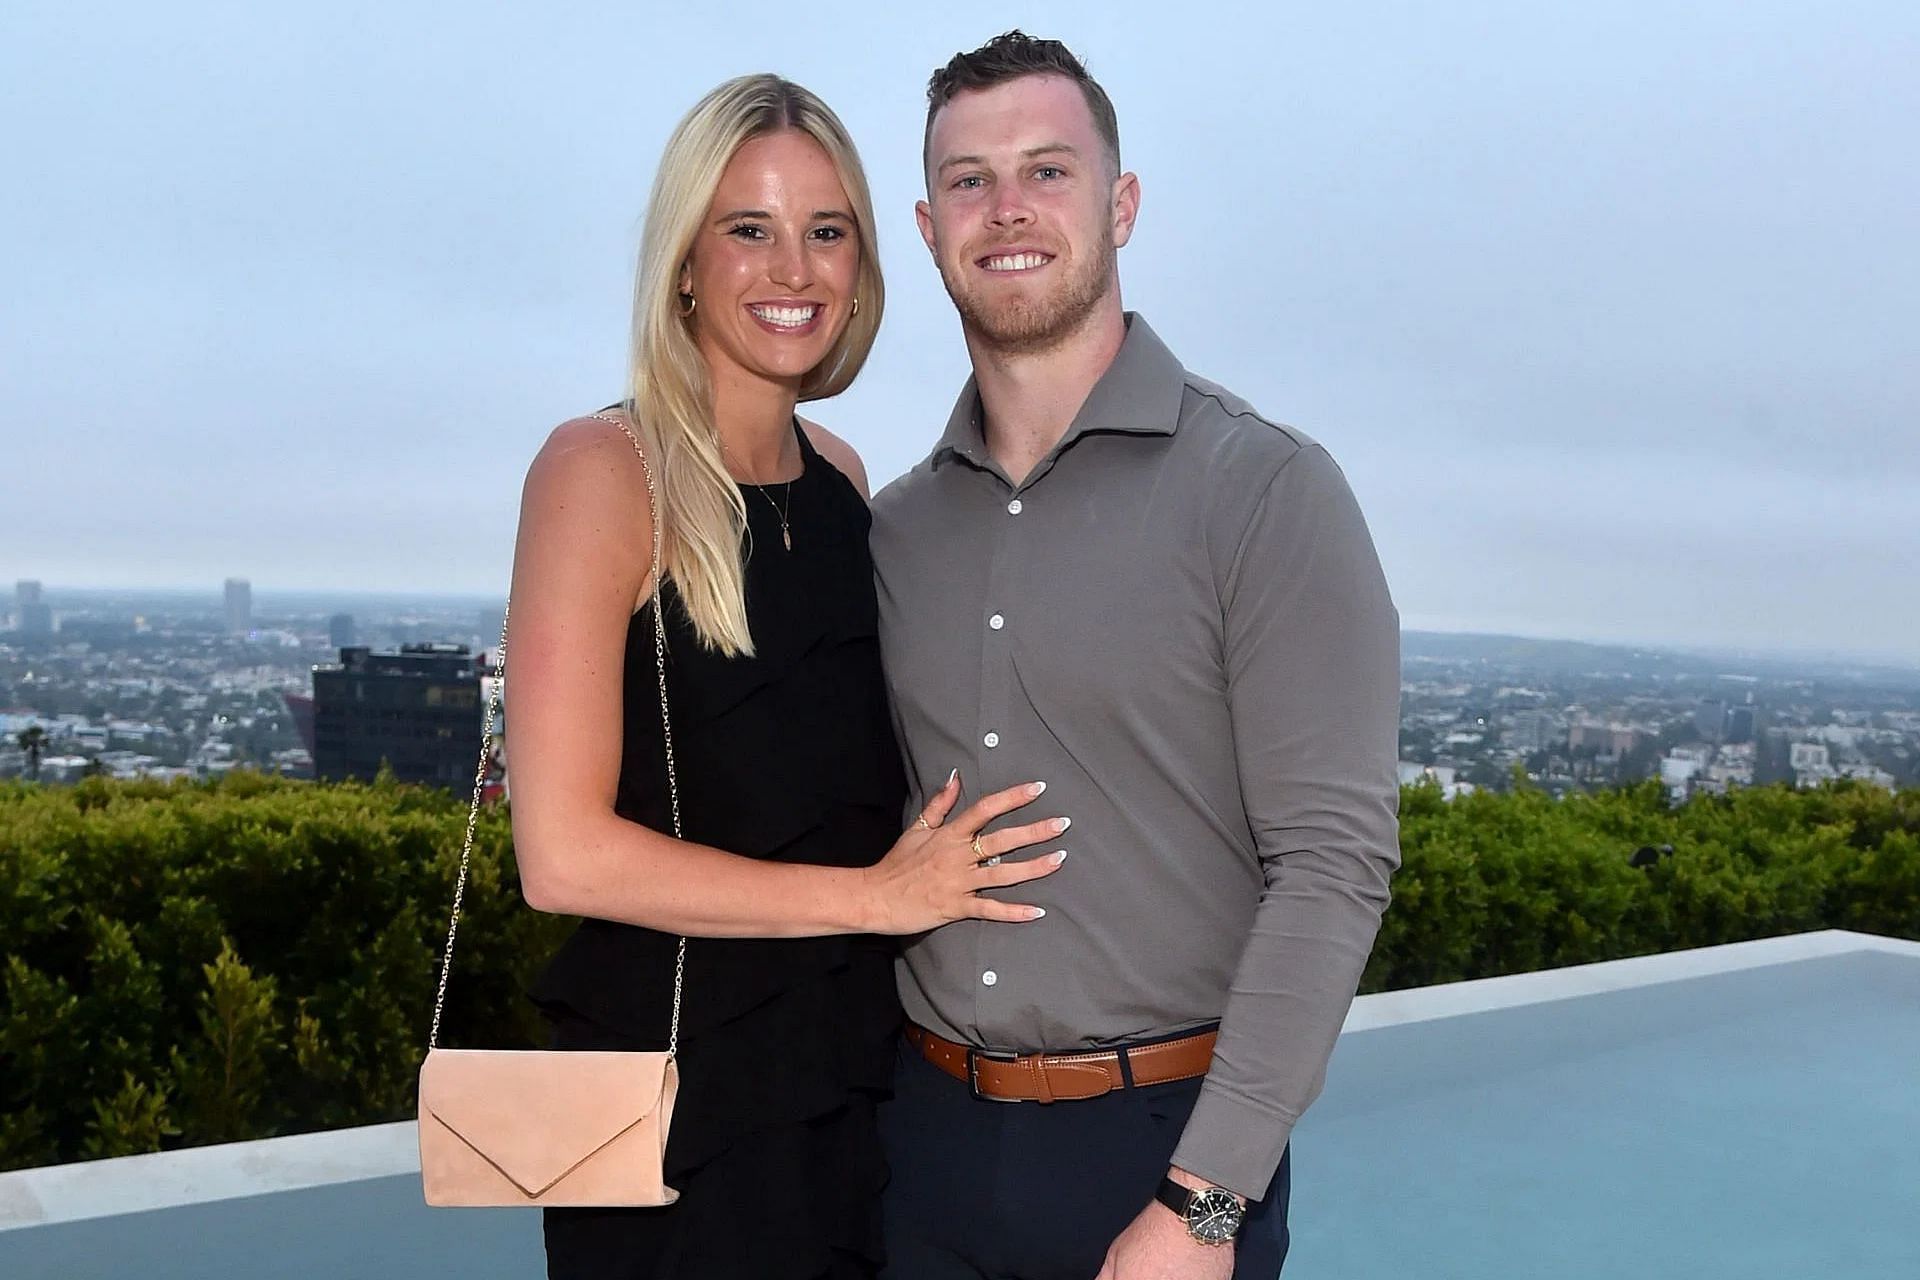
(992, 740)
(1014, 507)
(996, 622)
(989, 978)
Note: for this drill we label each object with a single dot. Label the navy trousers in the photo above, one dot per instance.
(1024, 1191)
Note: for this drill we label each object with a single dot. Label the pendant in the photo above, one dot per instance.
(786, 536)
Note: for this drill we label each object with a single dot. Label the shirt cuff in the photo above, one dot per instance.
(1232, 1143)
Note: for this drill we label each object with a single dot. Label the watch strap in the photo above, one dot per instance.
(1182, 1201)
(1174, 1196)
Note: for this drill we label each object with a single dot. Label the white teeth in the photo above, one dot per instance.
(786, 317)
(1016, 262)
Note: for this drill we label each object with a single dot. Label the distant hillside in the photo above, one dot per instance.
(1522, 655)
(1561, 657)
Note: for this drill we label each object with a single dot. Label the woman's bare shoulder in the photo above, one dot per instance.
(588, 450)
(590, 433)
(587, 476)
(841, 454)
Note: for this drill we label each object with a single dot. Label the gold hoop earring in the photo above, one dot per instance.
(691, 302)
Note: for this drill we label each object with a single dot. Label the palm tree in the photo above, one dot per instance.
(33, 741)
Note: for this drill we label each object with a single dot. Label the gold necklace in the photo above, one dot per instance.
(786, 533)
(779, 509)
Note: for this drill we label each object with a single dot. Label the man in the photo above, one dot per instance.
(1116, 578)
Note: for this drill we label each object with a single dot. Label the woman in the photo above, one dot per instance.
(759, 287)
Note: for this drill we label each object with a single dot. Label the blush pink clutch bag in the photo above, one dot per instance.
(545, 1128)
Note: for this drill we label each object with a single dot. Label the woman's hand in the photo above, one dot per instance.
(935, 871)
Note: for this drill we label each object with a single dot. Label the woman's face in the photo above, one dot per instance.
(773, 267)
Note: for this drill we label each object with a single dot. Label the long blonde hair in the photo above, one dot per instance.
(702, 512)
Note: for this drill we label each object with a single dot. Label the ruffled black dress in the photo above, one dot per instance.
(785, 1044)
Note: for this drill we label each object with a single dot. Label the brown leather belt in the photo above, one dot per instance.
(1062, 1077)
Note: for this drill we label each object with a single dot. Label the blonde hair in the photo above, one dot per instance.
(702, 513)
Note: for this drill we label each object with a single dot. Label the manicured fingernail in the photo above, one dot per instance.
(1037, 913)
(951, 776)
(1059, 856)
(1036, 788)
(1061, 824)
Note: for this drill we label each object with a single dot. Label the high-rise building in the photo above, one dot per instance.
(1710, 719)
(239, 606)
(1529, 731)
(31, 615)
(418, 710)
(340, 631)
(1740, 724)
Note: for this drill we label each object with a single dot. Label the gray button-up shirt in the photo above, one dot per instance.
(1178, 622)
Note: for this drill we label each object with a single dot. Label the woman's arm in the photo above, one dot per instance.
(581, 565)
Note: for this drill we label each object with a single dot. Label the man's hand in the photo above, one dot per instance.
(1156, 1246)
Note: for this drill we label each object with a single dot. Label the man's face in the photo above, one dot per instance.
(1023, 213)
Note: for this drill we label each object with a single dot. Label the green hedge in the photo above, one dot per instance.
(1507, 883)
(192, 963)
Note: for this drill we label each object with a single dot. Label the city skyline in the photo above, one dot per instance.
(278, 603)
(177, 692)
(1611, 335)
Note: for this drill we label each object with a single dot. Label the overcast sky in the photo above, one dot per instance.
(1607, 310)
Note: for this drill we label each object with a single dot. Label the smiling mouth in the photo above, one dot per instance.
(786, 319)
(1007, 262)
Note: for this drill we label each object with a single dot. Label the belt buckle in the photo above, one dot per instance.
(973, 1071)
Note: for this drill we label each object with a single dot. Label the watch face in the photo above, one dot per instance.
(1214, 1216)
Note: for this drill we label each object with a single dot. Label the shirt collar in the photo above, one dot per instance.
(1139, 394)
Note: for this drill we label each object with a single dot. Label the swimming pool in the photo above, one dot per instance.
(1746, 1111)
(1762, 1121)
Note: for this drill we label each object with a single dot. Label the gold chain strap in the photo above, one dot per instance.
(486, 750)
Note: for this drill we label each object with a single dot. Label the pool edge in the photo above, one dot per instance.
(53, 1194)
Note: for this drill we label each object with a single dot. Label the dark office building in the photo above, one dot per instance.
(340, 630)
(239, 597)
(419, 710)
(32, 616)
(1710, 719)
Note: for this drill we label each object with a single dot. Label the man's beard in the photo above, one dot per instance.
(1035, 324)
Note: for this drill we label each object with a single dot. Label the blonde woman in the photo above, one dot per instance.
(759, 287)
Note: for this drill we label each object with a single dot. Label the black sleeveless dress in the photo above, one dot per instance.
(785, 1044)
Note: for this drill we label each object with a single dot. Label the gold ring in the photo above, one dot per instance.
(979, 854)
(922, 823)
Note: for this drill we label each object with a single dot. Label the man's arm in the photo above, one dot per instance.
(1312, 648)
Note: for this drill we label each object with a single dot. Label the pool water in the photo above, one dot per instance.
(1751, 1124)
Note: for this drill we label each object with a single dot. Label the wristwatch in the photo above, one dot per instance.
(1213, 1214)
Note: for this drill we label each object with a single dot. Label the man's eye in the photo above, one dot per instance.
(971, 182)
(1049, 171)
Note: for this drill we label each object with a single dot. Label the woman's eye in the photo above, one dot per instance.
(829, 234)
(747, 231)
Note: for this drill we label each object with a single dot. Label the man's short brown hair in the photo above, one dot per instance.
(1010, 57)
